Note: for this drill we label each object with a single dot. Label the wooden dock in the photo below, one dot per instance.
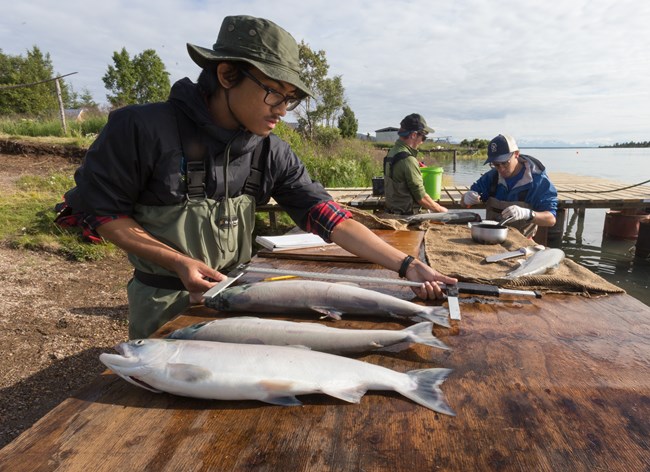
(573, 192)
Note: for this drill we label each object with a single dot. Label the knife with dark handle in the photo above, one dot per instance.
(492, 290)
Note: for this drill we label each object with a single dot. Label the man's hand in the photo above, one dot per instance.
(471, 198)
(420, 272)
(516, 212)
(197, 277)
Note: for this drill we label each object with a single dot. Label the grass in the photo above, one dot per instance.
(80, 134)
(27, 219)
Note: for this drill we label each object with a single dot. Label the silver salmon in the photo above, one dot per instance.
(330, 299)
(538, 263)
(271, 374)
(251, 330)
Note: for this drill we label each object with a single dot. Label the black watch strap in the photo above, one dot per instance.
(405, 265)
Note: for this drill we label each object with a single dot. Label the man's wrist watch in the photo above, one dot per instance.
(532, 216)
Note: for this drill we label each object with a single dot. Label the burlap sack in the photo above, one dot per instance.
(451, 251)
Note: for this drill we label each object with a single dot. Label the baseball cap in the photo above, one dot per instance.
(501, 148)
(258, 42)
(415, 122)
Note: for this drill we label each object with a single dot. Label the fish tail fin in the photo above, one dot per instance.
(421, 333)
(437, 314)
(427, 391)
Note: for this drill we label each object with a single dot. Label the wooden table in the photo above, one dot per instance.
(556, 384)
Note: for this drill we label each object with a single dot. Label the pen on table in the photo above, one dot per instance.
(281, 277)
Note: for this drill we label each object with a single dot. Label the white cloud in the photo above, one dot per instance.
(573, 71)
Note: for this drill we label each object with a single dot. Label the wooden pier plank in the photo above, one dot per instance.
(573, 192)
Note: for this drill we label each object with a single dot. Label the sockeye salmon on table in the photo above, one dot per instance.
(329, 299)
(252, 330)
(271, 374)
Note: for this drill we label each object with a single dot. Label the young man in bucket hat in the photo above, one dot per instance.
(403, 184)
(175, 184)
(516, 187)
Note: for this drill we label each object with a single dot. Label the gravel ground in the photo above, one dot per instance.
(56, 316)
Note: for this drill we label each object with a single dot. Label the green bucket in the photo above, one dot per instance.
(432, 177)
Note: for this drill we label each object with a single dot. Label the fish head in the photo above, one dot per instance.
(136, 357)
(187, 332)
(225, 299)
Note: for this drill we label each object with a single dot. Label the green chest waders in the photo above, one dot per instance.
(217, 233)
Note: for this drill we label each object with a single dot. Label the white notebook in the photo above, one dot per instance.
(291, 241)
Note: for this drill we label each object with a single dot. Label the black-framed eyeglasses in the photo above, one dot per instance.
(273, 97)
(423, 136)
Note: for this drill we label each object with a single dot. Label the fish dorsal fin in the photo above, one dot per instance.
(395, 347)
(328, 311)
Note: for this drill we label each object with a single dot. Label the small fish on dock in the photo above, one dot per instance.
(252, 330)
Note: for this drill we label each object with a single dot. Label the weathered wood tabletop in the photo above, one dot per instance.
(559, 383)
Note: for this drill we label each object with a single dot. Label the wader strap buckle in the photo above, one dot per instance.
(195, 176)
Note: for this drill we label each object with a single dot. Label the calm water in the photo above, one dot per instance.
(609, 258)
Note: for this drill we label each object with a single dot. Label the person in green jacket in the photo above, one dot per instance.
(404, 187)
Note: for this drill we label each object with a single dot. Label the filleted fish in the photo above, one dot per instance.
(251, 330)
(330, 299)
(539, 263)
(271, 374)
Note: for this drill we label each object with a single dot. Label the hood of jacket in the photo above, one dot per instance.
(190, 100)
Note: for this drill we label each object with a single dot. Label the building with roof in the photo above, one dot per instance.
(386, 134)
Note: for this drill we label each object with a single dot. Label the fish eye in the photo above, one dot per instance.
(139, 342)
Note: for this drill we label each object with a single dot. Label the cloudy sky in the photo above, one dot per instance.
(573, 72)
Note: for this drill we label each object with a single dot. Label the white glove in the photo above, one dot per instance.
(471, 198)
(516, 212)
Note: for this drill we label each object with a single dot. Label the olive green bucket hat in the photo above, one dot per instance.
(258, 42)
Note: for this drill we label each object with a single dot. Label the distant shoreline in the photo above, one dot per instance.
(583, 147)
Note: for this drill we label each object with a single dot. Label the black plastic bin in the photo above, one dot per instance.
(377, 185)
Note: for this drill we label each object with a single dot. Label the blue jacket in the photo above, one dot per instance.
(534, 186)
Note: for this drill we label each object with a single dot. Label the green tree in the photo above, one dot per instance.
(313, 70)
(35, 100)
(324, 107)
(85, 100)
(142, 79)
(348, 123)
(331, 100)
